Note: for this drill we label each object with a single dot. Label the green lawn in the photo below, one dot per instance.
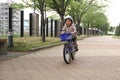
(117, 37)
(22, 44)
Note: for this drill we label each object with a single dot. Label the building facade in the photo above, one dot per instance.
(4, 19)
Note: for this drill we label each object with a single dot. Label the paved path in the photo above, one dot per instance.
(97, 59)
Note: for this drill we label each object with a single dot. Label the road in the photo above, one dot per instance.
(98, 58)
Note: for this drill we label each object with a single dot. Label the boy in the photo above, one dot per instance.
(70, 28)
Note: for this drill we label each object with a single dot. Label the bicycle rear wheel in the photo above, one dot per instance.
(66, 54)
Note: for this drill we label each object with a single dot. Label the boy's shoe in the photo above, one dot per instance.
(76, 49)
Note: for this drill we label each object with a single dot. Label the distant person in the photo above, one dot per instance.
(69, 27)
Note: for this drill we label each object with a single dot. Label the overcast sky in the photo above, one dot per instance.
(112, 11)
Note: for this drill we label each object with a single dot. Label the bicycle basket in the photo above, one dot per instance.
(66, 36)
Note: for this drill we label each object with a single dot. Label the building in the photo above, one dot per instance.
(4, 19)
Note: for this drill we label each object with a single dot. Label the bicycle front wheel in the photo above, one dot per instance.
(66, 54)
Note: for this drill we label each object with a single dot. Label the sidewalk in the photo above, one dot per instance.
(98, 58)
(11, 55)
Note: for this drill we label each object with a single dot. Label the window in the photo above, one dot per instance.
(6, 17)
(6, 13)
(6, 8)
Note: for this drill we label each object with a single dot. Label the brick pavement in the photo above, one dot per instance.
(97, 59)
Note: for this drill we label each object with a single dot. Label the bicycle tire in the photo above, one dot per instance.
(65, 53)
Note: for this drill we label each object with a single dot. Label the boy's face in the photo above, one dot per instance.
(68, 22)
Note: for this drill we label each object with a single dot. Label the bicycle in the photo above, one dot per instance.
(68, 50)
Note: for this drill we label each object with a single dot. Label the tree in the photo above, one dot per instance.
(41, 8)
(117, 31)
(59, 6)
(111, 29)
(78, 8)
(96, 20)
(38, 5)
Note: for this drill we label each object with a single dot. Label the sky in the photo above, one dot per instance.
(112, 11)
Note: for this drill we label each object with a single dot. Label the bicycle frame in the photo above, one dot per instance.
(68, 51)
(70, 44)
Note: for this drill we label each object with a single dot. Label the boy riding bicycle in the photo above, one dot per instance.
(70, 28)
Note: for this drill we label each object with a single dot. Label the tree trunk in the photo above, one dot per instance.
(78, 25)
(41, 2)
(88, 32)
(61, 22)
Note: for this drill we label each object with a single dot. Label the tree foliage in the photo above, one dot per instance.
(88, 12)
(117, 31)
(78, 8)
(96, 20)
(111, 29)
(17, 6)
(59, 6)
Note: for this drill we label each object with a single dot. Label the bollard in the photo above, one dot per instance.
(22, 24)
(55, 28)
(51, 27)
(47, 27)
(30, 26)
(10, 35)
(35, 25)
(10, 38)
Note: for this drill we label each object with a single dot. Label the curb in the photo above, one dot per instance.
(44, 47)
(8, 57)
(13, 55)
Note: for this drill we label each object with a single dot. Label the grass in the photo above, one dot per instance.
(117, 37)
(26, 43)
(23, 44)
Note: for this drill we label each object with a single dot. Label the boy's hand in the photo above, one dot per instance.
(74, 33)
(63, 31)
